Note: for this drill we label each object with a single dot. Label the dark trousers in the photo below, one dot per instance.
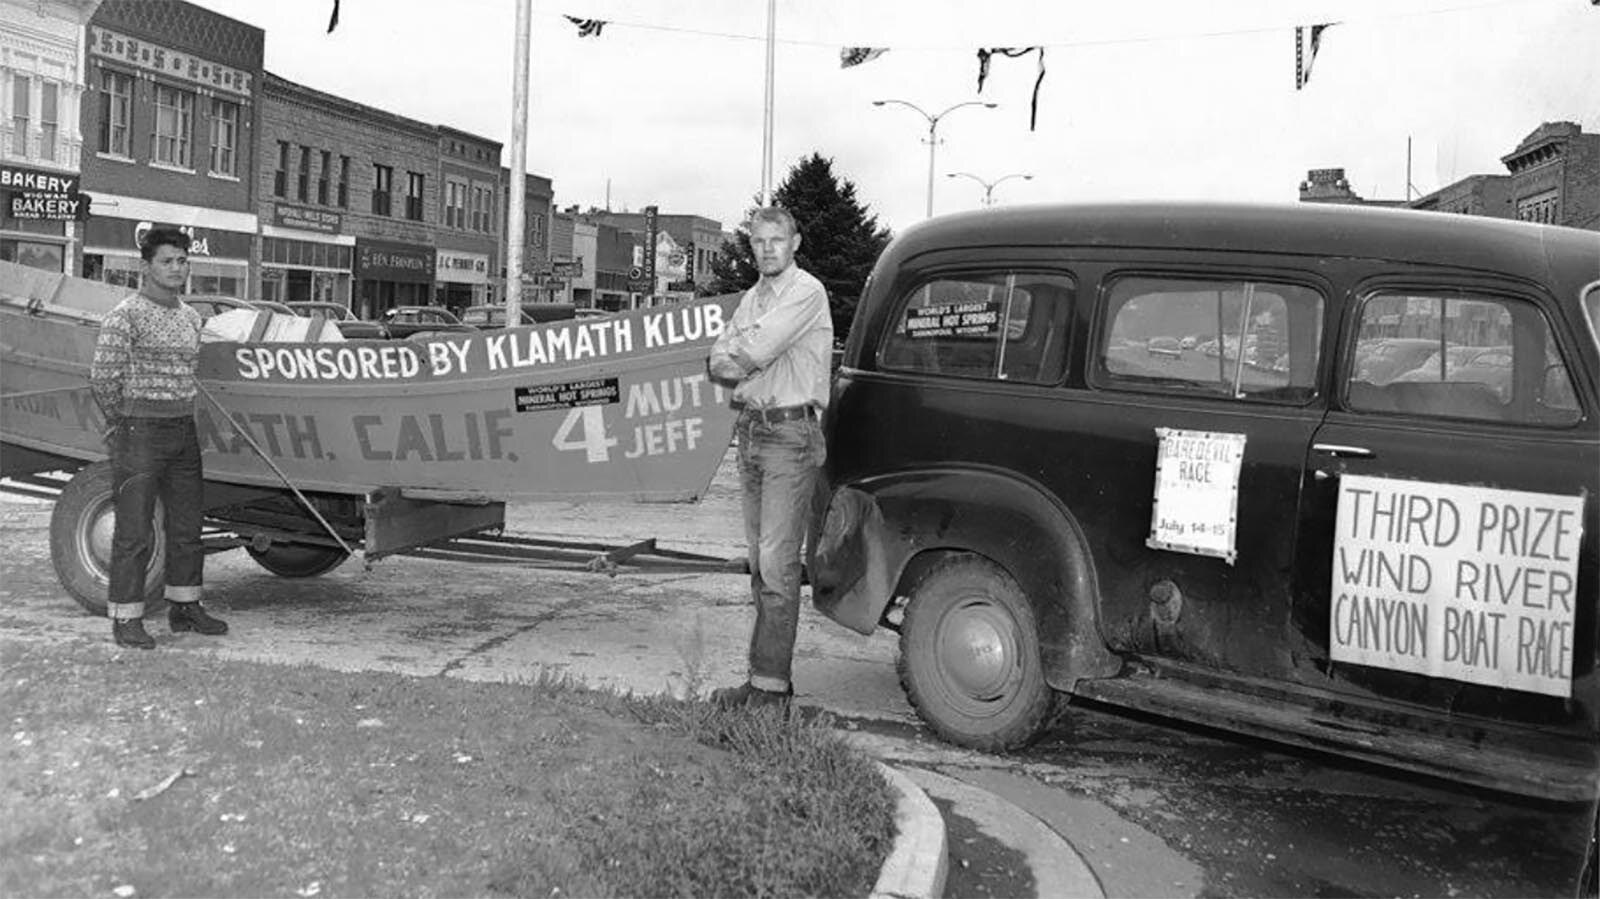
(780, 469)
(151, 459)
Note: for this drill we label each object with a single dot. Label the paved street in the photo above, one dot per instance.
(1153, 808)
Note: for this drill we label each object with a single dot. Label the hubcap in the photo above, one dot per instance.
(95, 533)
(977, 651)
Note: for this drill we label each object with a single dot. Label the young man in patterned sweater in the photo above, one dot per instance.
(143, 378)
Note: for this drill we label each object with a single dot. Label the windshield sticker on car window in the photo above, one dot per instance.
(1472, 584)
(954, 320)
(1197, 492)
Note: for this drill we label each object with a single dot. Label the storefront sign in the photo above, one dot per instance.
(383, 260)
(37, 194)
(167, 62)
(103, 231)
(567, 268)
(1469, 583)
(304, 219)
(463, 268)
(1197, 492)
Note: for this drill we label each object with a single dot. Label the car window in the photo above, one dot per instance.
(1004, 325)
(1238, 339)
(1458, 356)
(1591, 309)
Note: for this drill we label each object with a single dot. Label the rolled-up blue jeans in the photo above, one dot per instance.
(155, 458)
(780, 470)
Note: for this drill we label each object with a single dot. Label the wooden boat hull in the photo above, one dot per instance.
(617, 407)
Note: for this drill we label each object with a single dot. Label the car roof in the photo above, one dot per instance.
(1569, 256)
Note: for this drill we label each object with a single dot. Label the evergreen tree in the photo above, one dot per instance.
(839, 240)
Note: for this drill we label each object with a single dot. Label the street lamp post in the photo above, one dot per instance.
(933, 131)
(989, 186)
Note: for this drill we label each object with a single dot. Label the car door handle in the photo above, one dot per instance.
(1343, 451)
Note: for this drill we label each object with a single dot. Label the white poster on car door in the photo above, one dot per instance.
(1197, 492)
(1472, 584)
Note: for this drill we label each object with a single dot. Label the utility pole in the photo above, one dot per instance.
(516, 205)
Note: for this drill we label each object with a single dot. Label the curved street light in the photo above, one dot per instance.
(989, 186)
(933, 131)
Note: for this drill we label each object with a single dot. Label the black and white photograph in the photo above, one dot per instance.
(911, 449)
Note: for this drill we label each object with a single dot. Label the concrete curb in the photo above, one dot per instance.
(1058, 868)
(919, 860)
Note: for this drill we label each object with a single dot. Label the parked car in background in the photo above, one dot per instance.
(208, 306)
(351, 327)
(492, 316)
(1289, 542)
(408, 321)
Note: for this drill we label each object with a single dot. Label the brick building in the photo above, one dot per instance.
(1555, 176)
(171, 92)
(41, 86)
(351, 194)
(470, 225)
(538, 196)
(700, 237)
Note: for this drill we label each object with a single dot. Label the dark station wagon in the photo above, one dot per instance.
(1171, 457)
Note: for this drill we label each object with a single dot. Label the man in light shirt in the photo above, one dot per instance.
(776, 352)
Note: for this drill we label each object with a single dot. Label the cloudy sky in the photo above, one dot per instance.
(1141, 99)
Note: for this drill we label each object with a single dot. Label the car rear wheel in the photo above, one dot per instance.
(298, 560)
(81, 528)
(969, 656)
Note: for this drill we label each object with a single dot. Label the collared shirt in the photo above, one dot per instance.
(779, 344)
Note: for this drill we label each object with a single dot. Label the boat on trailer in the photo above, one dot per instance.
(316, 448)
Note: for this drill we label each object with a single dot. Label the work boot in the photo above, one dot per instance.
(131, 632)
(189, 616)
(748, 695)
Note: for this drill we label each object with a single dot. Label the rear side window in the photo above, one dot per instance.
(1003, 325)
(1243, 340)
(1459, 356)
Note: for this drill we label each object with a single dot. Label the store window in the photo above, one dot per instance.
(382, 186)
(121, 271)
(414, 190)
(173, 125)
(34, 254)
(216, 278)
(303, 184)
(322, 178)
(224, 138)
(116, 113)
(49, 99)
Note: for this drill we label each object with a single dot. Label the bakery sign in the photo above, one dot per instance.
(38, 194)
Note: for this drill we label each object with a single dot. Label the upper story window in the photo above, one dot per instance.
(344, 182)
(116, 113)
(382, 187)
(21, 112)
(1454, 355)
(49, 118)
(322, 178)
(455, 204)
(997, 325)
(302, 186)
(414, 190)
(224, 137)
(1235, 339)
(280, 177)
(170, 143)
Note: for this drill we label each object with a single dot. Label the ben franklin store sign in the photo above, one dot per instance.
(380, 260)
(37, 194)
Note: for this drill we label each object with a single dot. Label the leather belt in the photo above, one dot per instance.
(775, 414)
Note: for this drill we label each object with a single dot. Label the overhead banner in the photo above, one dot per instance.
(1196, 507)
(1473, 584)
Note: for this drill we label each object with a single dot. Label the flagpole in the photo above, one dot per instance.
(766, 112)
(516, 204)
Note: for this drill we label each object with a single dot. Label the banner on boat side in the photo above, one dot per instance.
(613, 407)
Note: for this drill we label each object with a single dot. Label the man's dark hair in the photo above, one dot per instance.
(162, 237)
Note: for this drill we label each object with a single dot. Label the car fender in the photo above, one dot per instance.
(879, 531)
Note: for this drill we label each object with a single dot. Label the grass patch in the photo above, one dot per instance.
(299, 781)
